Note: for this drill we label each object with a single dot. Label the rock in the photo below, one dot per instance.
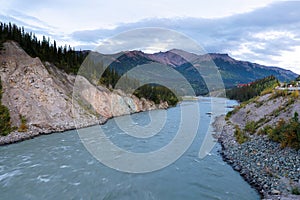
(265, 186)
(237, 168)
(275, 192)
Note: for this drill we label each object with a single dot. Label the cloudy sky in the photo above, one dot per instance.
(262, 31)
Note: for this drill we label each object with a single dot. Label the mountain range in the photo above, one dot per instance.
(232, 71)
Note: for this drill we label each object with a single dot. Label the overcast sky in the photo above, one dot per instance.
(262, 31)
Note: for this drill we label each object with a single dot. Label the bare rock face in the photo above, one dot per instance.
(44, 95)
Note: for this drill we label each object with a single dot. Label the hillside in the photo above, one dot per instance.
(40, 100)
(233, 71)
(261, 140)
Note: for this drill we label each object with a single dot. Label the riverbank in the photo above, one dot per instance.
(33, 131)
(272, 171)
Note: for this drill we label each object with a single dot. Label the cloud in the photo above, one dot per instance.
(279, 20)
(268, 35)
(149, 40)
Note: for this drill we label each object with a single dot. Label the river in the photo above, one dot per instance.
(58, 166)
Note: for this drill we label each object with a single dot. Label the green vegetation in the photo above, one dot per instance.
(230, 113)
(5, 125)
(153, 92)
(250, 127)
(240, 135)
(110, 78)
(157, 93)
(286, 133)
(23, 127)
(295, 191)
(64, 58)
(266, 130)
(279, 93)
(295, 94)
(252, 90)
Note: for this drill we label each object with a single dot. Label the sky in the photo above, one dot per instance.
(261, 31)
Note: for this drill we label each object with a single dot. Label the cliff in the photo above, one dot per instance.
(274, 170)
(43, 95)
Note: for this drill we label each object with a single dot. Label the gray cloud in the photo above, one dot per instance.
(229, 33)
(225, 35)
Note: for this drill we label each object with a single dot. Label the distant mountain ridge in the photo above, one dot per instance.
(233, 71)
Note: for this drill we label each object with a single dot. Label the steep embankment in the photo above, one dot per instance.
(267, 166)
(40, 95)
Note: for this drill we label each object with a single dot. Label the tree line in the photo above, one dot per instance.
(65, 58)
(253, 89)
(153, 92)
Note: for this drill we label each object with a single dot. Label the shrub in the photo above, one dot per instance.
(286, 133)
(240, 135)
(250, 127)
(23, 127)
(279, 93)
(5, 125)
(232, 112)
(295, 191)
(295, 94)
(265, 130)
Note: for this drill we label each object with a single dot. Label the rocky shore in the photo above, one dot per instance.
(33, 131)
(272, 171)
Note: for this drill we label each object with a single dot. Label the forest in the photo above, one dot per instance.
(65, 58)
(154, 92)
(253, 89)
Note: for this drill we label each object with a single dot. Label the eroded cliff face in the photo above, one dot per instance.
(46, 97)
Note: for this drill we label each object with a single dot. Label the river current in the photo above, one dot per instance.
(58, 166)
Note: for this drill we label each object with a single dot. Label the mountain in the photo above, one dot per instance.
(42, 98)
(233, 71)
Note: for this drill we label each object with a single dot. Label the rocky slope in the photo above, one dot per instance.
(273, 171)
(43, 95)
